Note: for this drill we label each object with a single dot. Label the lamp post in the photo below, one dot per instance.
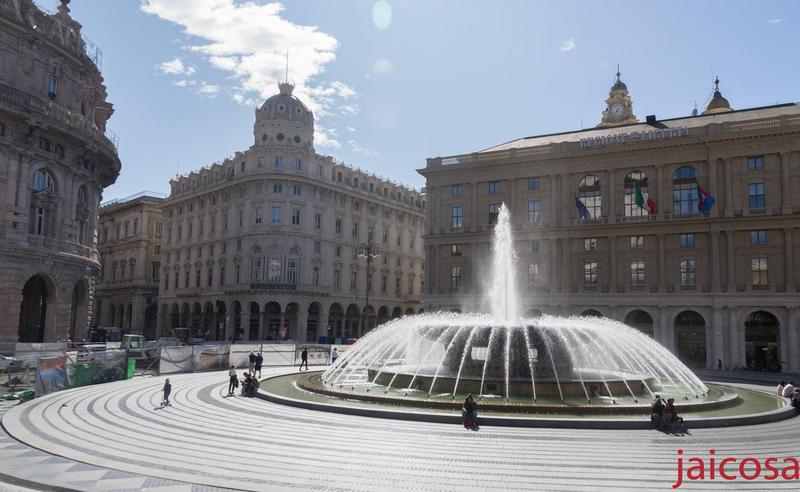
(369, 250)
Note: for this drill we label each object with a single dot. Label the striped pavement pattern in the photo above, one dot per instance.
(118, 438)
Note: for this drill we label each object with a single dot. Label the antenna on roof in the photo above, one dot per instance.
(287, 66)
(177, 169)
(581, 123)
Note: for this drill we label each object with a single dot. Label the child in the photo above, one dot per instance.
(167, 390)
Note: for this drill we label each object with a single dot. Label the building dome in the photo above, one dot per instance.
(619, 85)
(717, 104)
(283, 119)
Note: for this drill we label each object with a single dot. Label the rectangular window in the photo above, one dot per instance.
(277, 188)
(590, 244)
(210, 277)
(533, 211)
(156, 249)
(320, 169)
(494, 211)
(535, 246)
(637, 272)
(241, 218)
(355, 230)
(637, 242)
(533, 183)
(296, 216)
(457, 190)
(494, 187)
(370, 233)
(156, 270)
(258, 216)
(317, 247)
(318, 221)
(687, 241)
(315, 276)
(455, 277)
(533, 274)
(688, 267)
(758, 238)
(755, 195)
(338, 251)
(291, 271)
(353, 280)
(222, 275)
(456, 216)
(755, 163)
(276, 215)
(590, 273)
(455, 250)
(279, 162)
(758, 264)
(356, 205)
(384, 279)
(338, 226)
(298, 164)
(337, 278)
(52, 87)
(297, 190)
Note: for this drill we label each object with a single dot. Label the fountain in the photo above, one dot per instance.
(506, 357)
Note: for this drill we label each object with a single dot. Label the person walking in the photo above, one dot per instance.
(334, 355)
(469, 413)
(259, 361)
(304, 358)
(251, 368)
(233, 380)
(167, 390)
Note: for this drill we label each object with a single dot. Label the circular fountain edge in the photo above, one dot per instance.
(414, 414)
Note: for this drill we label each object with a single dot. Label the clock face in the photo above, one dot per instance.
(617, 110)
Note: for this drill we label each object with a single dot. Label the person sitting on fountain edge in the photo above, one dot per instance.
(470, 413)
(657, 413)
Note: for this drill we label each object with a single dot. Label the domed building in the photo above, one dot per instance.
(279, 242)
(56, 156)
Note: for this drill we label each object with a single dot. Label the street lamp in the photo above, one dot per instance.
(369, 250)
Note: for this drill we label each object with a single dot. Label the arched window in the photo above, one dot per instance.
(82, 215)
(589, 194)
(43, 181)
(632, 180)
(684, 190)
(257, 266)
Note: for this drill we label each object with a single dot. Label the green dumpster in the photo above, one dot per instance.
(131, 368)
(79, 375)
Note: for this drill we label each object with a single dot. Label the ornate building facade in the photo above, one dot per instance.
(56, 156)
(129, 237)
(686, 228)
(272, 243)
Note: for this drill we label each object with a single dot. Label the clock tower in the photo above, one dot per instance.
(619, 107)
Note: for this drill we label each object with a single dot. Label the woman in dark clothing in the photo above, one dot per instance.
(233, 381)
(470, 413)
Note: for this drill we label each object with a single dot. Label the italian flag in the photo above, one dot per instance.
(644, 201)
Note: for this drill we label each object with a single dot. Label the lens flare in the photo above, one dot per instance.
(382, 15)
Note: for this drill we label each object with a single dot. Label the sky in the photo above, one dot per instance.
(392, 83)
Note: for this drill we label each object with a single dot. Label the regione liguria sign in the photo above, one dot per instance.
(635, 137)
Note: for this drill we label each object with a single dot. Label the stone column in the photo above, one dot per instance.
(662, 280)
(301, 329)
(785, 330)
(473, 213)
(553, 206)
(566, 258)
(788, 259)
(11, 183)
(322, 325)
(712, 185)
(283, 320)
(553, 276)
(728, 165)
(245, 321)
(512, 190)
(262, 323)
(229, 328)
(661, 193)
(23, 185)
(715, 283)
(730, 261)
(567, 199)
(612, 197)
(667, 331)
(786, 191)
(737, 339)
(717, 342)
(612, 264)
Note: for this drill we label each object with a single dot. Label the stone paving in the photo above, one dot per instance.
(113, 437)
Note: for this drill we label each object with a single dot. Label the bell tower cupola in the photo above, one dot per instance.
(619, 106)
(717, 104)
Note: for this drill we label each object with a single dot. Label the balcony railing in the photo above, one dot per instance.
(273, 286)
(11, 95)
(60, 246)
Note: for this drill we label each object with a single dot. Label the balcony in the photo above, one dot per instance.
(15, 97)
(59, 246)
(273, 286)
